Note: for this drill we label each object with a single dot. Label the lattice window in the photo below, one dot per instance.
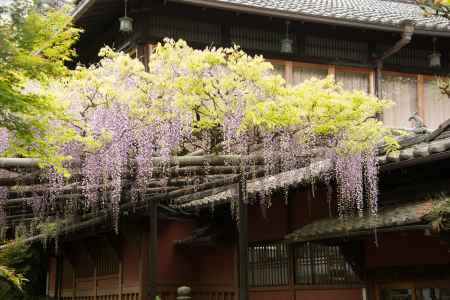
(336, 49)
(279, 69)
(322, 265)
(106, 261)
(353, 80)
(408, 56)
(437, 105)
(268, 264)
(402, 90)
(302, 73)
(256, 39)
(189, 30)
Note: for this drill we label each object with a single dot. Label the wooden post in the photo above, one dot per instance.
(74, 283)
(332, 71)
(372, 82)
(95, 282)
(288, 72)
(421, 97)
(57, 275)
(243, 242)
(153, 250)
(120, 280)
(143, 263)
(61, 272)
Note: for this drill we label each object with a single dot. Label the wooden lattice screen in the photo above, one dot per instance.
(268, 264)
(106, 261)
(256, 39)
(408, 56)
(351, 51)
(192, 31)
(322, 265)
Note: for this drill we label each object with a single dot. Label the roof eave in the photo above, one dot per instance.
(305, 18)
(82, 8)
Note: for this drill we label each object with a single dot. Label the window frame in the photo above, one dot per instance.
(291, 271)
(345, 266)
(285, 273)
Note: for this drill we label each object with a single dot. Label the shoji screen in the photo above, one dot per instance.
(279, 68)
(436, 105)
(403, 91)
(300, 73)
(352, 80)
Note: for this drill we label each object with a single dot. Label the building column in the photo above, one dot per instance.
(243, 242)
(153, 250)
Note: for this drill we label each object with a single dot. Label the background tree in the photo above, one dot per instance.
(435, 7)
(36, 40)
(22, 272)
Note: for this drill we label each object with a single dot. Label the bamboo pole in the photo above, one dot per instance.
(181, 161)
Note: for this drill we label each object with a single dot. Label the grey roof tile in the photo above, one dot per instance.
(378, 12)
(401, 215)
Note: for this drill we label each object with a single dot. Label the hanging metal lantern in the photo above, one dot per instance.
(287, 43)
(126, 23)
(435, 57)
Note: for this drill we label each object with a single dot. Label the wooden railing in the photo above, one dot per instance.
(110, 294)
(165, 293)
(200, 293)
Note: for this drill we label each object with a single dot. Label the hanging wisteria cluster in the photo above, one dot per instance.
(132, 124)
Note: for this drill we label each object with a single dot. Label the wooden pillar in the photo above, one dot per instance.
(153, 250)
(421, 97)
(74, 284)
(372, 82)
(58, 275)
(120, 278)
(288, 72)
(143, 263)
(143, 54)
(332, 71)
(243, 242)
(95, 282)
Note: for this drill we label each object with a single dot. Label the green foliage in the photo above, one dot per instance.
(34, 47)
(435, 7)
(10, 281)
(22, 271)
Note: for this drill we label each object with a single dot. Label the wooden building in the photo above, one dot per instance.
(297, 249)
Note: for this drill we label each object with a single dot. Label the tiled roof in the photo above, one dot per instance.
(421, 146)
(410, 214)
(284, 179)
(386, 13)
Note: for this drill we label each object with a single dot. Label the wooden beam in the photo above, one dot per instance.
(153, 250)
(243, 242)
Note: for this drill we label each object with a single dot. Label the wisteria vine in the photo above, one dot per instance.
(131, 123)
